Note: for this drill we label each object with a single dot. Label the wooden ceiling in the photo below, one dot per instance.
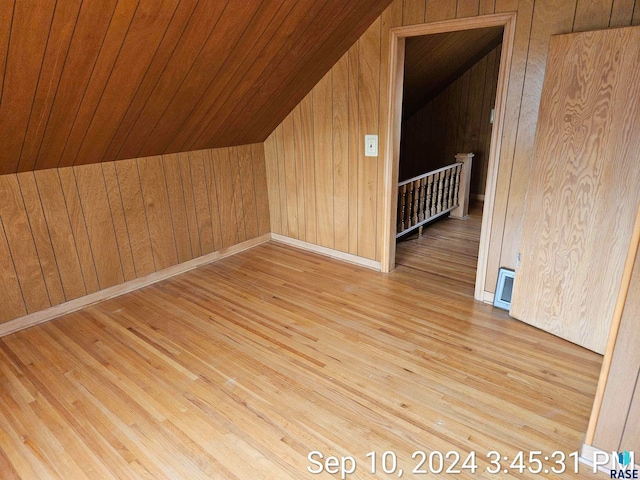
(432, 62)
(90, 81)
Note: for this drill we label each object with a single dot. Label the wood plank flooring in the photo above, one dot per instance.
(237, 370)
(448, 248)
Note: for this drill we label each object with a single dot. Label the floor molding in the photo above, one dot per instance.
(488, 297)
(329, 252)
(587, 455)
(73, 305)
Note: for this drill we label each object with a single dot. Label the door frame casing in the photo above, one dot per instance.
(394, 126)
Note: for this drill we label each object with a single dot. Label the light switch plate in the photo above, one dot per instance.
(371, 145)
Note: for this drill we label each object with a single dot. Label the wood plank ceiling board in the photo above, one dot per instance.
(88, 82)
(432, 62)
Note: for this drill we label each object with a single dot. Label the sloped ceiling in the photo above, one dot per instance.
(84, 81)
(433, 62)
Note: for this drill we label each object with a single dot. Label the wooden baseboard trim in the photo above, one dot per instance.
(588, 453)
(329, 252)
(73, 305)
(487, 297)
(478, 197)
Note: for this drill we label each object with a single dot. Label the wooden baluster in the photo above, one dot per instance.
(416, 201)
(409, 209)
(452, 181)
(456, 200)
(423, 187)
(440, 192)
(445, 190)
(427, 207)
(402, 201)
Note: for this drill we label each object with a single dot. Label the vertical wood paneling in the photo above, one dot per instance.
(58, 221)
(298, 145)
(224, 187)
(509, 135)
(135, 216)
(157, 211)
(413, 12)
(282, 179)
(189, 203)
(271, 171)
(290, 176)
(340, 88)
(237, 193)
(21, 244)
(308, 165)
(68, 232)
(621, 13)
(178, 208)
(369, 100)
(248, 191)
(524, 83)
(201, 200)
(550, 17)
(41, 237)
(97, 215)
(12, 303)
(590, 15)
(354, 146)
(262, 189)
(437, 10)
(487, 7)
(323, 143)
(79, 228)
(119, 222)
(210, 180)
(467, 8)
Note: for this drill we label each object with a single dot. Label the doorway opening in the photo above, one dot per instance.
(425, 135)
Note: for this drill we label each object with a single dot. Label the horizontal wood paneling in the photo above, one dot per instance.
(429, 141)
(536, 22)
(76, 230)
(85, 82)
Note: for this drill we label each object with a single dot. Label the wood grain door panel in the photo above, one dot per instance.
(585, 186)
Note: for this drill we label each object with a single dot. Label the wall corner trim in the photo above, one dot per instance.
(329, 252)
(56, 311)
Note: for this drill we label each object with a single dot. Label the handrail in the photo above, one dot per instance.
(433, 172)
(428, 196)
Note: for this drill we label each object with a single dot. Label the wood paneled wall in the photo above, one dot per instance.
(343, 206)
(618, 423)
(69, 232)
(457, 120)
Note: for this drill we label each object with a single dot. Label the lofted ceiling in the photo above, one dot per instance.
(433, 62)
(84, 81)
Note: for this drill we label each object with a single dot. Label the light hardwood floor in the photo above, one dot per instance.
(239, 369)
(447, 250)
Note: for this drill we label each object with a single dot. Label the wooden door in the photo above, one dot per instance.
(585, 186)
